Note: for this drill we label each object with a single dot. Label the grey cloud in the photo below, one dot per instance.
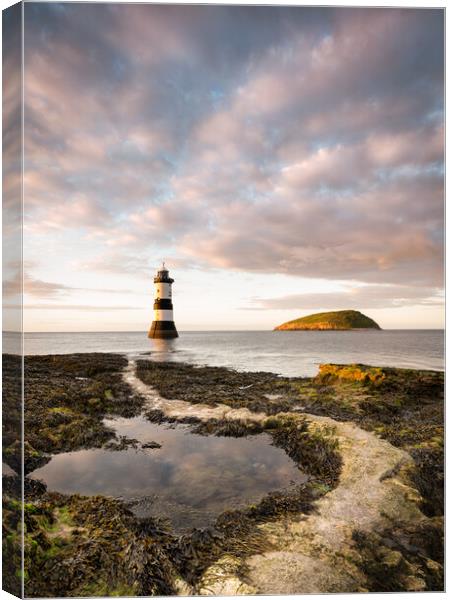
(47, 289)
(33, 287)
(81, 307)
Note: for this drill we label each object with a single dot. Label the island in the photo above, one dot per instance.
(337, 320)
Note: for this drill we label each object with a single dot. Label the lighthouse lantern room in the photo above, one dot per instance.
(163, 325)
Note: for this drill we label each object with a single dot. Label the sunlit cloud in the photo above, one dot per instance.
(263, 140)
(364, 297)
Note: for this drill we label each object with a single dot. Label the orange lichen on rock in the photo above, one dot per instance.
(358, 373)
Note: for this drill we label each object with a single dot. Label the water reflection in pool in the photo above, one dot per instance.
(189, 480)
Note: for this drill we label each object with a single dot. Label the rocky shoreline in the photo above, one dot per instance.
(370, 515)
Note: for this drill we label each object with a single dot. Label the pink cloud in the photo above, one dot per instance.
(314, 150)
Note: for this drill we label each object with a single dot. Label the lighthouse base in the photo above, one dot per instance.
(163, 330)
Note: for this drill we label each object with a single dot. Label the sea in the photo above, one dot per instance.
(189, 479)
(287, 353)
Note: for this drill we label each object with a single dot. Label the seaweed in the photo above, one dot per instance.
(403, 558)
(228, 428)
(79, 546)
(218, 385)
(66, 400)
(316, 452)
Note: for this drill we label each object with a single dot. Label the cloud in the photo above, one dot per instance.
(37, 288)
(362, 297)
(262, 139)
(12, 147)
(81, 307)
(44, 289)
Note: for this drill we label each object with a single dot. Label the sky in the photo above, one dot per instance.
(282, 161)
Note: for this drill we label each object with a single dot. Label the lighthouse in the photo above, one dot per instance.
(163, 325)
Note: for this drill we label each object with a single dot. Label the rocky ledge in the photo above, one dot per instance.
(370, 517)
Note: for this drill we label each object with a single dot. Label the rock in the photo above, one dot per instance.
(433, 566)
(414, 584)
(180, 585)
(391, 558)
(151, 445)
(122, 443)
(221, 579)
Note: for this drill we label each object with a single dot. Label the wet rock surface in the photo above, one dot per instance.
(152, 445)
(370, 517)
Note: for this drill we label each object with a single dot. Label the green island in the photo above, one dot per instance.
(368, 518)
(339, 320)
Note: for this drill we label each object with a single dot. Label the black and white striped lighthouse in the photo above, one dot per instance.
(163, 325)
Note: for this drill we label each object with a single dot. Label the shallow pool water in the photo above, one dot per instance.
(190, 480)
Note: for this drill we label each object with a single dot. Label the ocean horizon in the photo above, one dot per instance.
(285, 353)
